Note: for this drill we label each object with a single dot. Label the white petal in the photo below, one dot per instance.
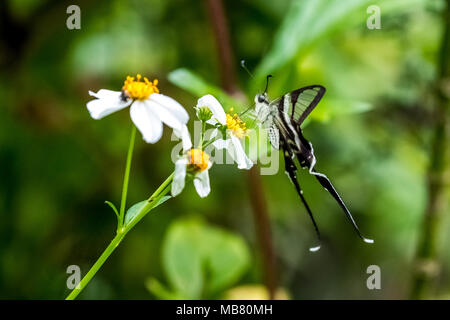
(201, 183)
(220, 144)
(164, 114)
(104, 93)
(185, 137)
(173, 107)
(146, 121)
(211, 121)
(215, 134)
(241, 158)
(106, 103)
(215, 107)
(179, 176)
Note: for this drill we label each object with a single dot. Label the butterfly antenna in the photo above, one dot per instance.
(267, 82)
(245, 111)
(253, 120)
(251, 75)
(245, 68)
(251, 124)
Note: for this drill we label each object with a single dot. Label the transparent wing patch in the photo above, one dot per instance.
(274, 136)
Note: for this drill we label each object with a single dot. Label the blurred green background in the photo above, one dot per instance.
(371, 135)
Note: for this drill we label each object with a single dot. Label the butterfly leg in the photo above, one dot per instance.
(326, 183)
(291, 171)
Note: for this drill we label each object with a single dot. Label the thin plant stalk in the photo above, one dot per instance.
(97, 265)
(123, 229)
(426, 266)
(154, 199)
(257, 198)
(126, 178)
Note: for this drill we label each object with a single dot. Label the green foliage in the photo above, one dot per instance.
(133, 211)
(113, 207)
(332, 108)
(306, 22)
(193, 83)
(200, 261)
(136, 208)
(57, 165)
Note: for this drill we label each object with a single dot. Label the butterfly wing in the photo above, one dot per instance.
(274, 136)
(291, 171)
(284, 132)
(287, 113)
(299, 103)
(293, 108)
(303, 101)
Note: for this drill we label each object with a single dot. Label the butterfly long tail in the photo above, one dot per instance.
(291, 171)
(326, 183)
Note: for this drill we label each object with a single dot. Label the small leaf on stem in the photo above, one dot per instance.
(113, 207)
(136, 208)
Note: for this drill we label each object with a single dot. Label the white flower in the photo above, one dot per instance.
(149, 109)
(235, 131)
(185, 137)
(194, 162)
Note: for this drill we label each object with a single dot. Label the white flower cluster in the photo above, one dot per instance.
(149, 110)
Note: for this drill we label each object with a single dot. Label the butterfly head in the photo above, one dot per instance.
(262, 105)
(261, 98)
(262, 108)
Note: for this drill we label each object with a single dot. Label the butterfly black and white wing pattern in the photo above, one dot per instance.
(282, 118)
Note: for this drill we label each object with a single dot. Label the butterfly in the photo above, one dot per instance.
(282, 119)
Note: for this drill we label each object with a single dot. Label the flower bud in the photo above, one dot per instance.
(204, 114)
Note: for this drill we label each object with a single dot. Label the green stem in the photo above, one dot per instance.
(163, 189)
(97, 265)
(209, 142)
(202, 136)
(126, 178)
(427, 263)
(122, 230)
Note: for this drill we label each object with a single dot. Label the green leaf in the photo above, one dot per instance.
(308, 21)
(226, 257)
(290, 37)
(113, 207)
(201, 260)
(160, 291)
(331, 108)
(161, 201)
(136, 208)
(133, 211)
(193, 83)
(182, 259)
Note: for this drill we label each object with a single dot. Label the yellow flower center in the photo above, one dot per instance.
(138, 88)
(236, 125)
(198, 160)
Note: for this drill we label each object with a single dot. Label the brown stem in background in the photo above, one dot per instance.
(228, 77)
(223, 43)
(262, 224)
(426, 262)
